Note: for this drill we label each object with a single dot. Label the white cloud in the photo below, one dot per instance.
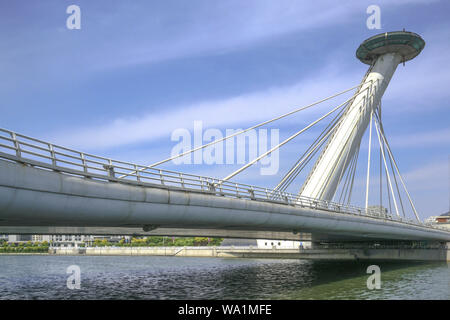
(418, 83)
(429, 187)
(431, 176)
(225, 26)
(229, 25)
(422, 139)
(244, 110)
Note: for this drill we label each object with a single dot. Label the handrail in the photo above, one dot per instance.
(65, 160)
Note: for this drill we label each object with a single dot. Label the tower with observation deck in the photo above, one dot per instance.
(383, 53)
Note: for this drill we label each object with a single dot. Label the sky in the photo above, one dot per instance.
(136, 71)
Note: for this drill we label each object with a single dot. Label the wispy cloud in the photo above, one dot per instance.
(231, 112)
(429, 186)
(427, 139)
(225, 26)
(429, 177)
(120, 35)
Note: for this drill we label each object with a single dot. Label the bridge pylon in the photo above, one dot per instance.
(383, 53)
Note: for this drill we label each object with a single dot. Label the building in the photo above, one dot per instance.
(237, 242)
(282, 244)
(62, 240)
(443, 220)
(265, 244)
(16, 238)
(69, 240)
(378, 210)
(431, 220)
(40, 238)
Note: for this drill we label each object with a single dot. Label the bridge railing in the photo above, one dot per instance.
(38, 153)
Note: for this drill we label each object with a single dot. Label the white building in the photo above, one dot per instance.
(62, 240)
(442, 221)
(18, 238)
(68, 240)
(431, 219)
(282, 244)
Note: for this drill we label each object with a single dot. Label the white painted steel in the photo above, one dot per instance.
(37, 197)
(323, 180)
(40, 186)
(398, 172)
(386, 168)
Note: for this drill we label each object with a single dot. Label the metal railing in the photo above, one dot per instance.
(23, 149)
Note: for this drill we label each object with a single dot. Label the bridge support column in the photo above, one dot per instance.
(325, 176)
(383, 53)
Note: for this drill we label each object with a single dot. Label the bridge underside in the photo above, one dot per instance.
(41, 201)
(184, 232)
(176, 232)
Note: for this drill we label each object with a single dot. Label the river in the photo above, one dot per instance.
(152, 277)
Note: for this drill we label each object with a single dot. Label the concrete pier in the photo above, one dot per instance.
(437, 254)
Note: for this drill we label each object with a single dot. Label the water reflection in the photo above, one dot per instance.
(44, 277)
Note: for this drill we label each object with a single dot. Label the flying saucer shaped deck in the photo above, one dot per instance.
(407, 44)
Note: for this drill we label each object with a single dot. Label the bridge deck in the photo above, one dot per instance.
(69, 178)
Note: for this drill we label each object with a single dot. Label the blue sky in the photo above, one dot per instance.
(138, 70)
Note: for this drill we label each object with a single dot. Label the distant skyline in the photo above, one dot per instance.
(137, 71)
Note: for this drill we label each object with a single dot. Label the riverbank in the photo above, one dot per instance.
(251, 252)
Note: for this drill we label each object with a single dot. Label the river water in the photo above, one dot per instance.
(151, 277)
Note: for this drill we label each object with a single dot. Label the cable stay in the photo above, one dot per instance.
(347, 172)
(391, 166)
(309, 153)
(368, 161)
(381, 133)
(344, 189)
(387, 164)
(281, 144)
(386, 168)
(289, 139)
(396, 184)
(240, 132)
(306, 157)
(351, 178)
(350, 171)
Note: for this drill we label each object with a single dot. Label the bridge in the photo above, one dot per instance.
(49, 189)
